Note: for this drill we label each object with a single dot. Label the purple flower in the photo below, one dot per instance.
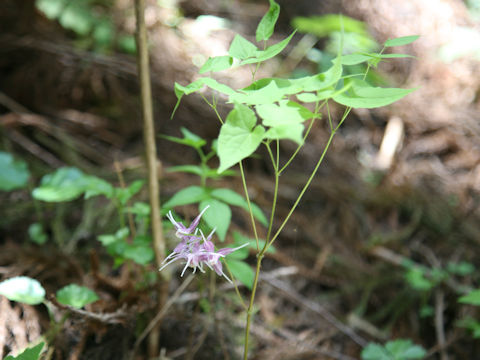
(181, 229)
(195, 250)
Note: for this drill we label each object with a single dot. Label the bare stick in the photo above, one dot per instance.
(151, 154)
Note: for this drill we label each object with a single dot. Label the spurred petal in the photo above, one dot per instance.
(226, 251)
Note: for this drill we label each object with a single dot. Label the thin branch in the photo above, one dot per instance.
(149, 131)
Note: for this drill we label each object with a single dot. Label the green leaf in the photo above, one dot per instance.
(191, 169)
(51, 8)
(197, 85)
(240, 239)
(76, 296)
(77, 17)
(267, 24)
(375, 352)
(325, 25)
(189, 139)
(472, 325)
(416, 278)
(241, 48)
(108, 239)
(323, 80)
(323, 95)
(362, 95)
(401, 41)
(127, 44)
(266, 95)
(354, 59)
(68, 183)
(217, 216)
(292, 132)
(217, 63)
(103, 34)
(472, 298)
(189, 195)
(215, 85)
(402, 349)
(235, 199)
(286, 112)
(462, 268)
(32, 353)
(140, 252)
(14, 173)
(95, 186)
(23, 289)
(239, 137)
(140, 209)
(269, 52)
(241, 271)
(286, 86)
(124, 195)
(37, 234)
(395, 56)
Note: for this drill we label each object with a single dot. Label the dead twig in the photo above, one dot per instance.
(294, 296)
(439, 323)
(117, 317)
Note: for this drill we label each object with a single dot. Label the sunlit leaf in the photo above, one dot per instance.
(241, 48)
(269, 52)
(354, 59)
(292, 132)
(362, 95)
(265, 95)
(325, 25)
(217, 63)
(267, 24)
(405, 40)
(286, 112)
(197, 85)
(23, 289)
(239, 137)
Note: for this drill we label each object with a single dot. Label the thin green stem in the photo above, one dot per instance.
(237, 291)
(309, 181)
(312, 175)
(250, 305)
(329, 118)
(213, 106)
(274, 206)
(269, 150)
(245, 189)
(317, 109)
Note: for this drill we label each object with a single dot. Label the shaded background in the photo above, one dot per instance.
(69, 96)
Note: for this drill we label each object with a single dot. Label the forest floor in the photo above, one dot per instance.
(373, 253)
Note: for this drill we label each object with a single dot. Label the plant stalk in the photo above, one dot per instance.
(274, 237)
